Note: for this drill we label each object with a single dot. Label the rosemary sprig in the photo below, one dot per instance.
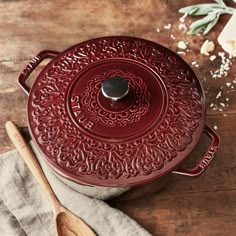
(212, 12)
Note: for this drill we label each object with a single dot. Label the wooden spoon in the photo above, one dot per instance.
(67, 223)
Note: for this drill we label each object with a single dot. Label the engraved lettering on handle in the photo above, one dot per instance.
(208, 157)
(30, 66)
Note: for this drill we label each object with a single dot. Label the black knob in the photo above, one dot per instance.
(115, 88)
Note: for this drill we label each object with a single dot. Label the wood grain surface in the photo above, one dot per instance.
(205, 205)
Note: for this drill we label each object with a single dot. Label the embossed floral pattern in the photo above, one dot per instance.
(80, 155)
(111, 119)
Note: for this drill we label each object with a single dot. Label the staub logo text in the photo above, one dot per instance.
(81, 118)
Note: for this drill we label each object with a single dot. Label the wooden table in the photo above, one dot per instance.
(205, 205)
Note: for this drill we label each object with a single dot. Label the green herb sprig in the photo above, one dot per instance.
(212, 12)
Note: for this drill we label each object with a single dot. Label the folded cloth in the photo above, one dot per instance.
(25, 210)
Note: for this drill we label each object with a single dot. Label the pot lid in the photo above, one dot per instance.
(116, 111)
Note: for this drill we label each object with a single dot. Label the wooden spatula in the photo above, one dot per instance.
(67, 223)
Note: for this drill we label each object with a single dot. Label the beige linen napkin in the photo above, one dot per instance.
(25, 210)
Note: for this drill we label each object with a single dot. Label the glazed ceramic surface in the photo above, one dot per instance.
(92, 139)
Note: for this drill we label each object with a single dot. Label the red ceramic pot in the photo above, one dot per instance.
(116, 112)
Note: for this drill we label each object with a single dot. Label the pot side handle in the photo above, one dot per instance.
(31, 66)
(207, 158)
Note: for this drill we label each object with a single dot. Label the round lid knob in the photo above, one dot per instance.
(115, 88)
